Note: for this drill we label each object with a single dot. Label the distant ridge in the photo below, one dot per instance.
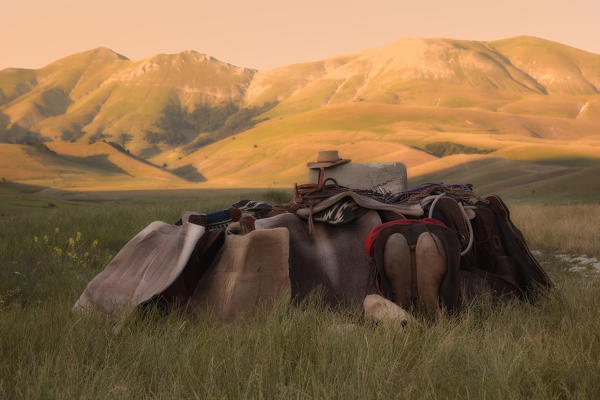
(233, 125)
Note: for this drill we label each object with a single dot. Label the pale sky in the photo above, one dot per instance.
(268, 33)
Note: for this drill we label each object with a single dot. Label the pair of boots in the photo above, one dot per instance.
(415, 272)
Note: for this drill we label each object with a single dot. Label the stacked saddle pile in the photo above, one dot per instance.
(434, 247)
(466, 246)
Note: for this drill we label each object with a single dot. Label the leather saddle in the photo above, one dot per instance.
(449, 285)
(498, 260)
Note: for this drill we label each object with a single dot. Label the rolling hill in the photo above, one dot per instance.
(507, 109)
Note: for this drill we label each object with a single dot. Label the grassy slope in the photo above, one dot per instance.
(560, 68)
(101, 91)
(145, 87)
(527, 98)
(14, 82)
(380, 132)
(77, 166)
(410, 71)
(494, 97)
(60, 84)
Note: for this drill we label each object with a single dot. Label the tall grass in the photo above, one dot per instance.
(517, 350)
(547, 350)
(560, 228)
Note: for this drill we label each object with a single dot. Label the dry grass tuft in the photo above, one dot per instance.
(560, 228)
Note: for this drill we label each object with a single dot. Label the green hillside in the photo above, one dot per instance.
(560, 69)
(421, 101)
(100, 93)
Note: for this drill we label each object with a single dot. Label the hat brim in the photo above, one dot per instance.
(327, 164)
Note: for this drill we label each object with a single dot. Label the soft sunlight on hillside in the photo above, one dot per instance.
(188, 119)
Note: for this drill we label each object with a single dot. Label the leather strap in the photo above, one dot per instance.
(414, 286)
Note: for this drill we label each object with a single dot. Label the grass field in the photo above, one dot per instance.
(51, 246)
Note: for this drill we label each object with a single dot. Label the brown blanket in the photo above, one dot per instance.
(250, 274)
(332, 257)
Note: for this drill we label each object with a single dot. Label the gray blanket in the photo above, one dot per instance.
(146, 266)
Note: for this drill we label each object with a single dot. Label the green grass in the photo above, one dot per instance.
(547, 350)
(515, 351)
(568, 228)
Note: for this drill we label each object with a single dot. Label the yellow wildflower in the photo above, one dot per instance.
(86, 254)
(58, 251)
(95, 243)
(35, 239)
(46, 238)
(56, 230)
(71, 242)
(78, 237)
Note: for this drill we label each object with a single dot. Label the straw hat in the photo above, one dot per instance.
(328, 158)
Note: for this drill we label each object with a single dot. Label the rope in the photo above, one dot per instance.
(457, 192)
(464, 213)
(439, 196)
(311, 224)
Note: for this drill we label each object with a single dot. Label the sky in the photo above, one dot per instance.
(264, 34)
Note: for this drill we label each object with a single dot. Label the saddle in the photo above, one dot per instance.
(405, 286)
(499, 253)
(530, 275)
(333, 204)
(483, 251)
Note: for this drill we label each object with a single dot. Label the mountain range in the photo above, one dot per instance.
(522, 113)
